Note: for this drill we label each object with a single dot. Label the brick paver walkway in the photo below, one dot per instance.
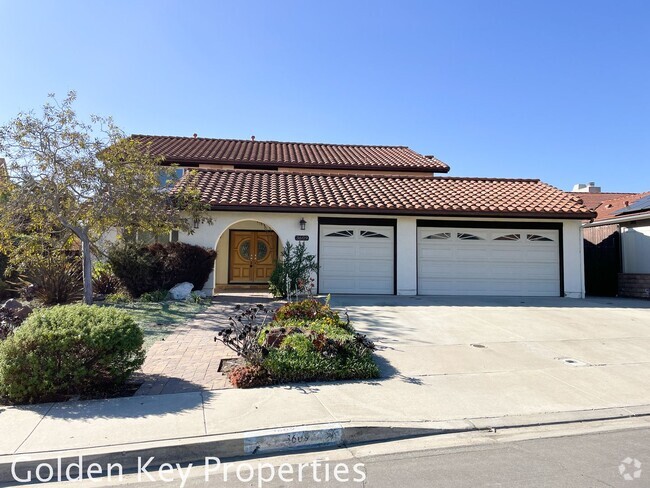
(188, 359)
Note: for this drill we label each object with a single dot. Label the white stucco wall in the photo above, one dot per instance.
(635, 240)
(286, 225)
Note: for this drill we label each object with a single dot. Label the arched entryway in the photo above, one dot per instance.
(247, 252)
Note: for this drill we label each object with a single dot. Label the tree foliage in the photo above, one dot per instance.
(67, 178)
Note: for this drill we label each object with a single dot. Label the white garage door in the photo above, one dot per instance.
(454, 261)
(356, 259)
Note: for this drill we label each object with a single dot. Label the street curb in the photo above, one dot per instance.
(259, 443)
(242, 445)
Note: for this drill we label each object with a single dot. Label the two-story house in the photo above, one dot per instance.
(379, 219)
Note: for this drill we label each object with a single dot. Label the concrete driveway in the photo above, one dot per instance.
(435, 378)
(506, 356)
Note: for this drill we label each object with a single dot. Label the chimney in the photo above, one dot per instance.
(586, 187)
(253, 138)
(195, 135)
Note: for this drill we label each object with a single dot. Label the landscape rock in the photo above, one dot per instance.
(17, 309)
(11, 304)
(181, 291)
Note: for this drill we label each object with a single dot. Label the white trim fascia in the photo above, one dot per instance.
(617, 220)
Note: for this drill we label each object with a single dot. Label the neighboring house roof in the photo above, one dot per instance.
(611, 207)
(620, 208)
(642, 204)
(594, 200)
(276, 191)
(193, 151)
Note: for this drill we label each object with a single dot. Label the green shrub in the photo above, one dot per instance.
(308, 309)
(161, 266)
(182, 263)
(294, 365)
(57, 278)
(300, 343)
(154, 296)
(69, 350)
(6, 290)
(294, 268)
(197, 298)
(316, 350)
(331, 328)
(104, 280)
(135, 268)
(118, 297)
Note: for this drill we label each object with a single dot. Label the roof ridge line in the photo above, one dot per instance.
(372, 176)
(277, 142)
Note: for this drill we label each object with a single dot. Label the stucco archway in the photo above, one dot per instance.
(247, 250)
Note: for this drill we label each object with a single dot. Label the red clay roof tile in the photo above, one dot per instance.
(273, 191)
(594, 200)
(190, 150)
(608, 208)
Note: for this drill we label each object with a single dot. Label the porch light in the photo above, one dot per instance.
(302, 223)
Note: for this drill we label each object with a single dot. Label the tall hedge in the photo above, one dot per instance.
(161, 266)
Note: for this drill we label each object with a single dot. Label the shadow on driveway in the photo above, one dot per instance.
(342, 301)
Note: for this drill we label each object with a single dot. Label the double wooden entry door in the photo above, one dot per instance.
(253, 254)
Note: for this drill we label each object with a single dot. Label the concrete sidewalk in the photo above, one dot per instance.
(123, 421)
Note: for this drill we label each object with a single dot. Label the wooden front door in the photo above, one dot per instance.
(253, 255)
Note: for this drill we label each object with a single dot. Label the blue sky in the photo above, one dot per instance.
(558, 90)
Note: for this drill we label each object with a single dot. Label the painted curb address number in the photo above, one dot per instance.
(293, 438)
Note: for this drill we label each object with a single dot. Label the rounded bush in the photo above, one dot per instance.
(69, 350)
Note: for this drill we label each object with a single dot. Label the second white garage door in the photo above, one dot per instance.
(356, 259)
(453, 261)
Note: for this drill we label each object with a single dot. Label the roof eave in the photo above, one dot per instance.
(406, 212)
(621, 219)
(356, 166)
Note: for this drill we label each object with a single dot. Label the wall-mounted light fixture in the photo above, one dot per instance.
(196, 223)
(303, 224)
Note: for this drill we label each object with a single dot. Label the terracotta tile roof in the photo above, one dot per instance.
(642, 204)
(273, 191)
(608, 209)
(190, 150)
(594, 200)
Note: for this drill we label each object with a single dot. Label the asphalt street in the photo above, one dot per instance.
(618, 458)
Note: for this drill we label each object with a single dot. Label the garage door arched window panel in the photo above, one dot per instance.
(465, 236)
(439, 235)
(508, 237)
(341, 233)
(538, 238)
(369, 233)
(356, 258)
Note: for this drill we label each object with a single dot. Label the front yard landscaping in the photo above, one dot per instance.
(300, 341)
(158, 320)
(70, 351)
